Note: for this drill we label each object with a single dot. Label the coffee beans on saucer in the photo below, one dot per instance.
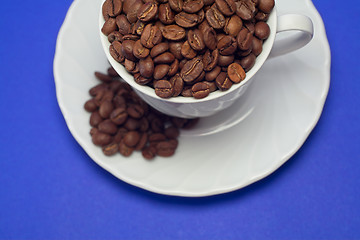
(186, 48)
(123, 123)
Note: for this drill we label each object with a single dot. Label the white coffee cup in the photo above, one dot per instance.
(188, 107)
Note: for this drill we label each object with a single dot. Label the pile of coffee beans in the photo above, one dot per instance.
(122, 122)
(187, 47)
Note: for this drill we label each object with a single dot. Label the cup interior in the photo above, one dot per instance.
(120, 69)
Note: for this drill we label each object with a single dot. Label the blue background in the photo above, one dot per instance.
(51, 189)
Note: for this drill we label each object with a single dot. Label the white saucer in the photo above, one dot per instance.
(231, 150)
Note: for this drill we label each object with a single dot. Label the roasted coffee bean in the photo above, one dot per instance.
(157, 137)
(141, 80)
(125, 150)
(103, 77)
(115, 86)
(223, 82)
(127, 49)
(174, 143)
(111, 8)
(119, 101)
(109, 26)
(245, 9)
(256, 46)
(143, 125)
(160, 25)
(146, 67)
(147, 12)
(227, 45)
(236, 73)
(172, 132)
(135, 111)
(165, 149)
(136, 69)
(163, 89)
(191, 70)
(193, 6)
(233, 26)
(262, 30)
(220, 36)
(186, 20)
(131, 139)
(210, 59)
(242, 54)
(261, 16)
(130, 37)
(211, 76)
(203, 26)
(119, 115)
(176, 5)
(266, 5)
(90, 106)
(256, 2)
(116, 51)
(201, 15)
(115, 36)
(140, 51)
(225, 61)
(108, 95)
(132, 14)
(175, 49)
(111, 149)
(138, 27)
(187, 51)
(149, 153)
(182, 62)
(123, 24)
(212, 86)
(195, 39)
(200, 90)
(129, 65)
(107, 126)
(151, 36)
(127, 5)
(120, 135)
(132, 124)
(248, 62)
(199, 78)
(174, 68)
(166, 15)
(178, 84)
(105, 109)
(159, 49)
(215, 18)
(101, 139)
(173, 32)
(209, 36)
(226, 7)
(95, 119)
(161, 71)
(244, 39)
(250, 26)
(164, 58)
(208, 2)
(142, 141)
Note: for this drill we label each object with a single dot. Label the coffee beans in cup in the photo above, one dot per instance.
(123, 123)
(186, 48)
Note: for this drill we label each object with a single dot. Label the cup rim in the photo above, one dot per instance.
(150, 92)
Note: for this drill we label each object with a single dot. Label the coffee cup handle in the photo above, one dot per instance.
(293, 40)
